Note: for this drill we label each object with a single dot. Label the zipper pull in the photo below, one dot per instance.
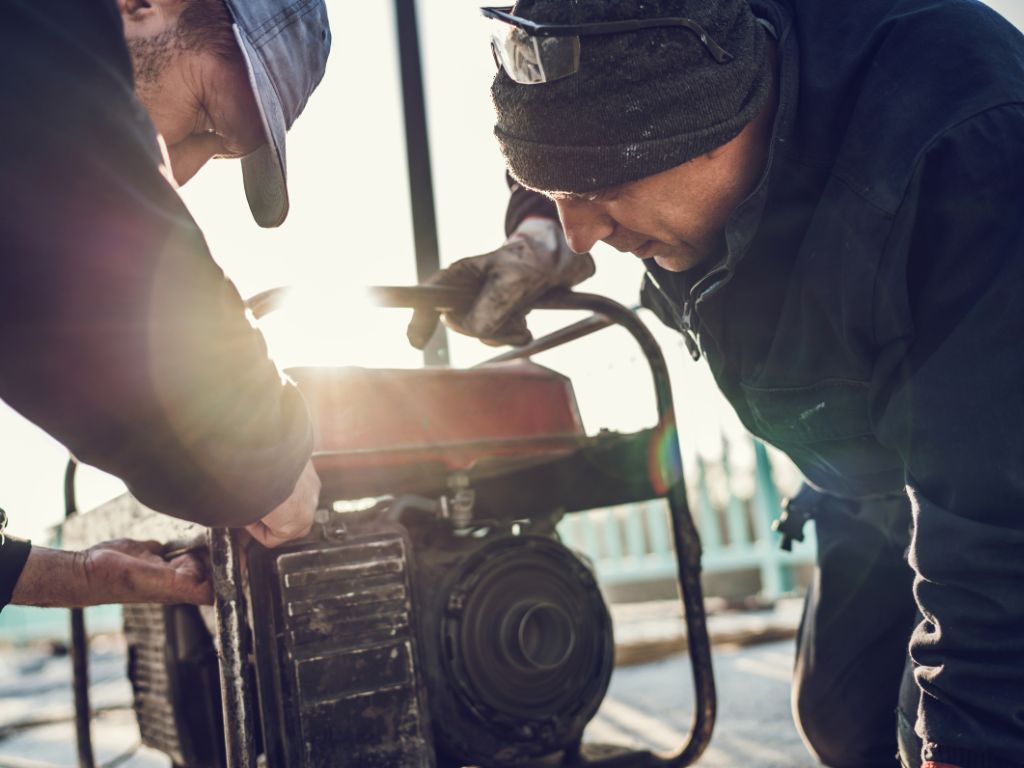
(683, 322)
(687, 332)
(691, 346)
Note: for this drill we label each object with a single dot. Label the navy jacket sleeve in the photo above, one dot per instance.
(13, 555)
(951, 401)
(119, 334)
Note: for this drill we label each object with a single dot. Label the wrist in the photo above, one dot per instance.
(52, 578)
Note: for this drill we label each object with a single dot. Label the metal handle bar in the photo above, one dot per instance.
(685, 538)
(436, 297)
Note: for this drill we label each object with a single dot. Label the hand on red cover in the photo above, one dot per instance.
(293, 518)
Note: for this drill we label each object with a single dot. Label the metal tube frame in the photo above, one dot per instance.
(237, 685)
(238, 708)
(79, 647)
(417, 149)
(684, 532)
(237, 689)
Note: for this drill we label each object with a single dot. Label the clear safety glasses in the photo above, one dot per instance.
(531, 52)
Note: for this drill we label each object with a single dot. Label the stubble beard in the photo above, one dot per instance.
(150, 57)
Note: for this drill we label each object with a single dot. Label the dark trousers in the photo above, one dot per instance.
(852, 648)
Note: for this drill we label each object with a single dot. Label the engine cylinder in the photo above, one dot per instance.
(527, 648)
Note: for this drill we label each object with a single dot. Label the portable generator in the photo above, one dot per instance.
(432, 618)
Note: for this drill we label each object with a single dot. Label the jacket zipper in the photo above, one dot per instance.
(686, 329)
(684, 321)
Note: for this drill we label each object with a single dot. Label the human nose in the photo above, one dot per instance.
(584, 223)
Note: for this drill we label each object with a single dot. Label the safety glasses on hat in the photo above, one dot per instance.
(531, 52)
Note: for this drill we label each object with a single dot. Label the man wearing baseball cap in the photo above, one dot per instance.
(119, 335)
(264, 57)
(827, 198)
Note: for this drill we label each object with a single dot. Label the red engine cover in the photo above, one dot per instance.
(378, 417)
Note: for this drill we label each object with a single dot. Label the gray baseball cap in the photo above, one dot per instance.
(285, 44)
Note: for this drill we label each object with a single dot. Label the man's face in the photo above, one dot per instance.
(676, 217)
(201, 104)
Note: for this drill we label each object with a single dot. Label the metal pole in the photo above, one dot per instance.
(417, 147)
(236, 688)
(79, 647)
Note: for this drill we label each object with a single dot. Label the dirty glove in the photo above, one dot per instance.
(506, 281)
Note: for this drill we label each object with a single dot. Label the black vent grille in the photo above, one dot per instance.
(145, 629)
(172, 666)
(348, 657)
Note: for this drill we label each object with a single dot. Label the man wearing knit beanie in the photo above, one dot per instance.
(642, 103)
(827, 200)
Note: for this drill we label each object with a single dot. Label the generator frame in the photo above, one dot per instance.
(127, 517)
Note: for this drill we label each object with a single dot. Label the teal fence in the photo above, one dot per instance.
(632, 543)
(23, 624)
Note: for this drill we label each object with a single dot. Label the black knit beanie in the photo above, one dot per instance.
(642, 102)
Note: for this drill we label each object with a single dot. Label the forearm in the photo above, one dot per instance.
(966, 650)
(120, 571)
(50, 578)
(950, 402)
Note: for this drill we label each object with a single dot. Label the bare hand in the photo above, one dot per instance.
(294, 517)
(506, 282)
(119, 571)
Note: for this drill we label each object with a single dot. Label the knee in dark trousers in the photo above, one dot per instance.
(852, 645)
(840, 728)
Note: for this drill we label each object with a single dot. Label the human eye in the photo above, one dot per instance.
(599, 196)
(605, 195)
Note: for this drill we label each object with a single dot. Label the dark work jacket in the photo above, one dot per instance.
(119, 335)
(868, 318)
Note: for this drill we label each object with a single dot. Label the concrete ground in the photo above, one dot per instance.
(648, 705)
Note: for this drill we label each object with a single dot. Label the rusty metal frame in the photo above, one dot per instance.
(237, 687)
(684, 532)
(685, 538)
(235, 682)
(125, 516)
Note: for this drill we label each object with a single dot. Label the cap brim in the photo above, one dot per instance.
(264, 171)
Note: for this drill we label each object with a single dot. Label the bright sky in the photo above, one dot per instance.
(350, 226)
